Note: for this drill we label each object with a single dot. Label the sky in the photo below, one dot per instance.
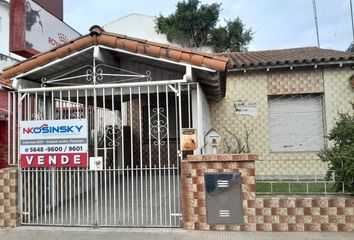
(276, 23)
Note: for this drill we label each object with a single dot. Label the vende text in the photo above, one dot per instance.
(54, 160)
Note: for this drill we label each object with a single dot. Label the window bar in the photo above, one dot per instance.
(165, 195)
(35, 106)
(131, 151)
(61, 195)
(43, 172)
(150, 164)
(155, 188)
(168, 155)
(128, 195)
(110, 195)
(104, 111)
(146, 195)
(92, 194)
(174, 192)
(136, 176)
(141, 158)
(37, 195)
(100, 199)
(180, 130)
(68, 105)
(123, 159)
(88, 157)
(55, 192)
(70, 197)
(160, 141)
(28, 107)
(29, 212)
(114, 157)
(33, 196)
(79, 182)
(178, 150)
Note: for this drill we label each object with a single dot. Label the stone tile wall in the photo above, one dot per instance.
(193, 187)
(8, 198)
(288, 213)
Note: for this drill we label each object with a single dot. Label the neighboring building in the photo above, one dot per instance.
(6, 58)
(143, 27)
(137, 25)
(293, 98)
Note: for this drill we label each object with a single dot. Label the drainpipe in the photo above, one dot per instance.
(188, 77)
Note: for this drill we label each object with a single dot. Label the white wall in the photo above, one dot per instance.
(138, 26)
(4, 28)
(201, 117)
(6, 58)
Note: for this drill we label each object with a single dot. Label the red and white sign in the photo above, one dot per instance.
(34, 30)
(54, 143)
(54, 160)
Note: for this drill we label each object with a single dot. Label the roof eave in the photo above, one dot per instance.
(296, 65)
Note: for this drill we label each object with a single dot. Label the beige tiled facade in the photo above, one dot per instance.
(256, 87)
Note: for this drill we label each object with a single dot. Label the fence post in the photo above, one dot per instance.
(325, 185)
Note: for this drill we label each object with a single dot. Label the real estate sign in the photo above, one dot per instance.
(54, 143)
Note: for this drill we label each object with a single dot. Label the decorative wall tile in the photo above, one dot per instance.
(256, 87)
(8, 198)
(318, 213)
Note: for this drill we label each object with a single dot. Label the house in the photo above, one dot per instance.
(133, 97)
(137, 25)
(296, 95)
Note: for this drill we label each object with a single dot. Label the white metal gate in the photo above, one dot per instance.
(136, 131)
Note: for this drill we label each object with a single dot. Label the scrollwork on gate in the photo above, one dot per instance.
(97, 74)
(158, 126)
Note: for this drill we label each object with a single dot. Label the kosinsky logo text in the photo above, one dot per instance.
(45, 129)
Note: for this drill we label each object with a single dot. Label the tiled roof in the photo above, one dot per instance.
(282, 57)
(98, 36)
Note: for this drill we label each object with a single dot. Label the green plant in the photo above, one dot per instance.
(341, 155)
(195, 25)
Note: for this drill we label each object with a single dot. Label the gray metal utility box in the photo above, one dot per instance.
(223, 198)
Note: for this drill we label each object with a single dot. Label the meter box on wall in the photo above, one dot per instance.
(223, 198)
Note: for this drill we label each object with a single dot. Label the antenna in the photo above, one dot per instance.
(316, 23)
(351, 14)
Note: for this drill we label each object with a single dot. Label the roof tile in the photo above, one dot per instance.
(112, 40)
(279, 57)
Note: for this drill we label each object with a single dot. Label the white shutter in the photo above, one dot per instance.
(296, 123)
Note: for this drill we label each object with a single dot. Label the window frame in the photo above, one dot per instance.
(321, 138)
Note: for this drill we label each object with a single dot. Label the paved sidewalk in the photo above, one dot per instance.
(59, 233)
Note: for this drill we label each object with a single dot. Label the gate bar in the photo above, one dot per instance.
(100, 86)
